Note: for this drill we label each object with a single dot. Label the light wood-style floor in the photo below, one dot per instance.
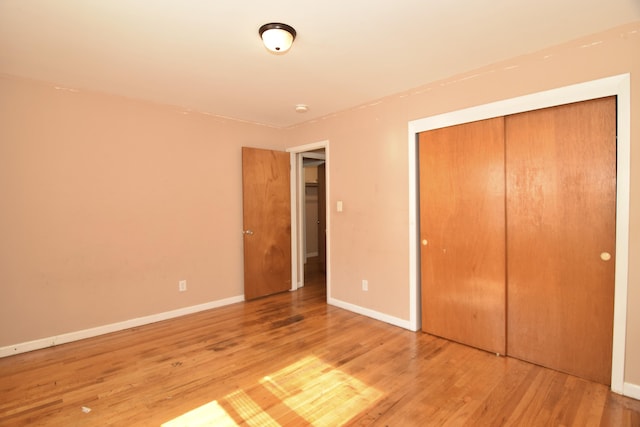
(291, 360)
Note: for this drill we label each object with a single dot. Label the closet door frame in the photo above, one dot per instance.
(619, 86)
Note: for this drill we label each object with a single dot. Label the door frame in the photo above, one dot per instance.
(619, 86)
(297, 208)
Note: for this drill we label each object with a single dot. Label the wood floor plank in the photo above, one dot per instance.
(291, 360)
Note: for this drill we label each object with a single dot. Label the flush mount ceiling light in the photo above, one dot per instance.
(277, 37)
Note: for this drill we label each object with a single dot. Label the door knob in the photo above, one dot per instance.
(424, 242)
(249, 232)
(605, 256)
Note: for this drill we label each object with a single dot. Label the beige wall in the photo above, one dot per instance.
(368, 166)
(107, 202)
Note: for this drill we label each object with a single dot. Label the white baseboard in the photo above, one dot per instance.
(113, 327)
(373, 314)
(631, 390)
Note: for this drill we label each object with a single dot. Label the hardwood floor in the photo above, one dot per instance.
(292, 360)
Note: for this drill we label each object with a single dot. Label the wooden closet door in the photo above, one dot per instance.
(561, 195)
(462, 233)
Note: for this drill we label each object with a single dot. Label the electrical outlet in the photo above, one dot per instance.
(365, 285)
(182, 285)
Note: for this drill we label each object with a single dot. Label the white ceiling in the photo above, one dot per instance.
(206, 55)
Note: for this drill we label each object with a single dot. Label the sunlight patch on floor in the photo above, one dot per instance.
(309, 391)
(211, 414)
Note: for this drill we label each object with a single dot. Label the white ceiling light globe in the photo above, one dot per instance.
(277, 37)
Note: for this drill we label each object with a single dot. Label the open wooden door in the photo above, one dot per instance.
(267, 222)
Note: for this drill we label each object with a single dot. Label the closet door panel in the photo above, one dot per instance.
(462, 228)
(561, 190)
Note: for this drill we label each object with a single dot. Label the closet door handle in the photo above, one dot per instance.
(605, 256)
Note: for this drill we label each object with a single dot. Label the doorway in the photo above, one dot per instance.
(314, 216)
(310, 222)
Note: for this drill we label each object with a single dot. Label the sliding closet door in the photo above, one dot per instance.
(561, 195)
(462, 229)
